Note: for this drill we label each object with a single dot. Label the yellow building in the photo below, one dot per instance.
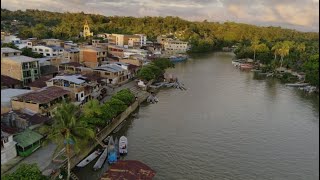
(86, 30)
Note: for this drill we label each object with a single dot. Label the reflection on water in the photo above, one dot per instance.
(227, 125)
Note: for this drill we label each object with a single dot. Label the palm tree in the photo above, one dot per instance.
(284, 50)
(275, 50)
(255, 45)
(301, 47)
(68, 131)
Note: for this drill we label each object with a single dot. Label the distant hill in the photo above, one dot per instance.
(202, 35)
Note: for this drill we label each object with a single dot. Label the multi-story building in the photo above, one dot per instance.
(172, 47)
(114, 73)
(92, 56)
(116, 51)
(23, 68)
(11, 39)
(127, 41)
(82, 87)
(48, 51)
(71, 55)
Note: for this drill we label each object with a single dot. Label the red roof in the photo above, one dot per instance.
(9, 81)
(129, 169)
(44, 95)
(41, 82)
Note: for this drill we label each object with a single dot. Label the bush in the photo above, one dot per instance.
(26, 171)
(125, 96)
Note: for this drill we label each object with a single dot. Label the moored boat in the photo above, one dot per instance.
(112, 155)
(178, 58)
(101, 159)
(89, 158)
(106, 140)
(246, 66)
(123, 145)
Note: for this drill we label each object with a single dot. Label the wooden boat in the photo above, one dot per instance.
(116, 142)
(246, 66)
(297, 84)
(90, 158)
(112, 155)
(119, 127)
(106, 140)
(123, 145)
(101, 160)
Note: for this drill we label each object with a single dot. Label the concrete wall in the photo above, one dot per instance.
(17, 105)
(11, 69)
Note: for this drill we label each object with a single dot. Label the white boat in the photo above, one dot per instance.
(123, 145)
(89, 158)
(101, 159)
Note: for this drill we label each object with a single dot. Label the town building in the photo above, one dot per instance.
(53, 42)
(42, 101)
(92, 56)
(7, 95)
(8, 52)
(172, 47)
(22, 68)
(48, 51)
(8, 147)
(71, 55)
(9, 82)
(28, 141)
(113, 73)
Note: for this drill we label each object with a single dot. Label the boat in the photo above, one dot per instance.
(106, 140)
(112, 155)
(101, 160)
(116, 142)
(297, 84)
(246, 66)
(90, 158)
(123, 145)
(119, 127)
(178, 58)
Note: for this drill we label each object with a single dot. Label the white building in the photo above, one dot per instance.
(48, 51)
(143, 39)
(8, 147)
(128, 52)
(11, 39)
(174, 47)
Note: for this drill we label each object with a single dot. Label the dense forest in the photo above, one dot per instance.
(274, 46)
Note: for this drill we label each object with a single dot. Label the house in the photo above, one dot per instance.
(42, 101)
(71, 55)
(11, 39)
(82, 87)
(55, 61)
(134, 59)
(48, 51)
(8, 52)
(128, 52)
(39, 83)
(92, 56)
(49, 70)
(9, 82)
(7, 95)
(22, 68)
(28, 141)
(53, 42)
(116, 51)
(8, 147)
(23, 119)
(113, 73)
(132, 69)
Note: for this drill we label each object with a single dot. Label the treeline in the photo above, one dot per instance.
(203, 36)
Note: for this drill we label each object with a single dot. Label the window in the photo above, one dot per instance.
(35, 71)
(14, 53)
(81, 94)
(41, 50)
(47, 54)
(46, 50)
(106, 73)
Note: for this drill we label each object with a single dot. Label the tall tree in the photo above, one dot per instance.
(255, 45)
(275, 49)
(68, 131)
(284, 50)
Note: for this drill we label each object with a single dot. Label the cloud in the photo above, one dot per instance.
(301, 15)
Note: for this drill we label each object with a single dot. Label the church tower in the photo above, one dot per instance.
(86, 30)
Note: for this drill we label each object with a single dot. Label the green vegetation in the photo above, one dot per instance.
(203, 36)
(69, 131)
(27, 172)
(155, 69)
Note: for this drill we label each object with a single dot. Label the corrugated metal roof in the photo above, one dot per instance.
(20, 59)
(72, 78)
(27, 138)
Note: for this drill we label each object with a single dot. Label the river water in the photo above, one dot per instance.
(227, 125)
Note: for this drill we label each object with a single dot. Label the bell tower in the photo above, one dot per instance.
(86, 30)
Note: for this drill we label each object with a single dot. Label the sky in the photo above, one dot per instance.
(302, 15)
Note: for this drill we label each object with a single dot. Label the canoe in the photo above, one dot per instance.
(101, 160)
(112, 155)
(106, 140)
(116, 142)
(90, 158)
(119, 127)
(123, 145)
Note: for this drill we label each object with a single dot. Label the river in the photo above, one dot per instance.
(227, 125)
